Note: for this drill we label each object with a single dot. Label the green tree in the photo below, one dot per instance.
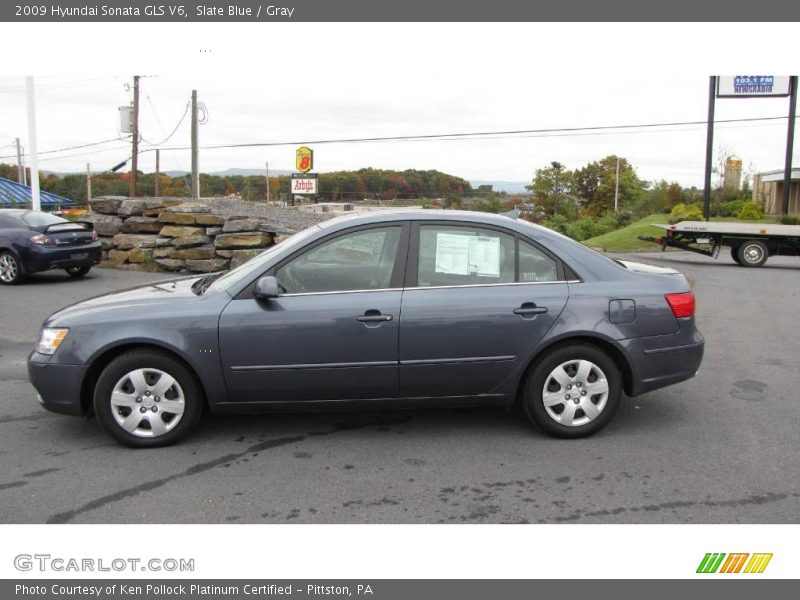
(549, 183)
(596, 184)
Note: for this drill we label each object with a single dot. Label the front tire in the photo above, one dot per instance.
(77, 271)
(11, 272)
(573, 392)
(147, 398)
(753, 253)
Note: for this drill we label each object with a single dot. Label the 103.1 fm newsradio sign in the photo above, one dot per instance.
(753, 86)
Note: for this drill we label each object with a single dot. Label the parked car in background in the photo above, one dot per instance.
(414, 308)
(33, 241)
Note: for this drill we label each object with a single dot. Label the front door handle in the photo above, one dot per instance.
(374, 316)
(528, 310)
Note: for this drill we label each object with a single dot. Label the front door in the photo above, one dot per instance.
(332, 334)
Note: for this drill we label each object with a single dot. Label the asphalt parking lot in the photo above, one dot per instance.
(721, 448)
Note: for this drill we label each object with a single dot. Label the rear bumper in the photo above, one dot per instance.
(663, 360)
(59, 386)
(44, 258)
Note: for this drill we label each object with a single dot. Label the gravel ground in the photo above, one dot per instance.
(284, 220)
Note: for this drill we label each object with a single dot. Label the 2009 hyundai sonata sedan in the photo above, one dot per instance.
(417, 308)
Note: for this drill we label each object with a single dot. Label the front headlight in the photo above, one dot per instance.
(50, 340)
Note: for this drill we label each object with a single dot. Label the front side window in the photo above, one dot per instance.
(451, 255)
(361, 260)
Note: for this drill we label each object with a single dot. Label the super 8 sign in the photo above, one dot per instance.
(304, 159)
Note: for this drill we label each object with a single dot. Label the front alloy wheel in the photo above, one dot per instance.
(573, 391)
(147, 398)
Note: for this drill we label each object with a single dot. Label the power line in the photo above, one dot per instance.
(73, 147)
(476, 134)
(553, 132)
(174, 131)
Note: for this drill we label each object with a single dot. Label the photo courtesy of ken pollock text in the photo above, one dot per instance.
(191, 589)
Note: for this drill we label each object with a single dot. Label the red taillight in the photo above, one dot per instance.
(682, 305)
(41, 238)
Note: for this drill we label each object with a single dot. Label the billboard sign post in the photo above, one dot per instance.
(751, 86)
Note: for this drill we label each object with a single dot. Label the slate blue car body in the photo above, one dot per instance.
(457, 345)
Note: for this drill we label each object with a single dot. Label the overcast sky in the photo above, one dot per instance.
(266, 83)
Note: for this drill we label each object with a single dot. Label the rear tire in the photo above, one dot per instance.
(573, 392)
(735, 255)
(77, 271)
(752, 253)
(11, 272)
(147, 398)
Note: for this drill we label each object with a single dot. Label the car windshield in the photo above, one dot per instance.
(247, 270)
(40, 219)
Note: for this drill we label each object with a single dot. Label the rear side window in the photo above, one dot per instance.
(535, 265)
(451, 255)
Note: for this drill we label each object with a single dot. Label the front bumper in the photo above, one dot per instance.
(59, 386)
(44, 258)
(659, 361)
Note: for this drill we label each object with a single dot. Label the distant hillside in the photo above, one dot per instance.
(511, 187)
(250, 172)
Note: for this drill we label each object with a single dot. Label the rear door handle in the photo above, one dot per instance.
(374, 316)
(529, 310)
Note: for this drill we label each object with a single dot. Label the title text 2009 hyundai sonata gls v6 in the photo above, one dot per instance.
(415, 308)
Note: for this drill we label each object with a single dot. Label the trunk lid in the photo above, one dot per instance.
(69, 234)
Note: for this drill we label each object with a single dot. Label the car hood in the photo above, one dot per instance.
(637, 267)
(151, 295)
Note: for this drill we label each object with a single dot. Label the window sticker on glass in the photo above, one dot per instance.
(452, 253)
(484, 256)
(459, 254)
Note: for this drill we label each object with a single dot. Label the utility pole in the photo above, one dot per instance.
(712, 85)
(557, 166)
(616, 189)
(36, 203)
(135, 149)
(787, 170)
(20, 166)
(195, 172)
(157, 191)
(88, 183)
(267, 182)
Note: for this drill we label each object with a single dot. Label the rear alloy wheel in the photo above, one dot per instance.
(147, 399)
(10, 269)
(574, 392)
(77, 271)
(753, 254)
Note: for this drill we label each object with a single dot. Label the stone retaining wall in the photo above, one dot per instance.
(169, 234)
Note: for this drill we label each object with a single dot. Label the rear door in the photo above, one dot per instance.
(477, 301)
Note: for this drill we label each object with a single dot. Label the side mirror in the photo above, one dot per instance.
(267, 287)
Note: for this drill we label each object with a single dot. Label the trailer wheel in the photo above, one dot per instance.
(752, 254)
(735, 256)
